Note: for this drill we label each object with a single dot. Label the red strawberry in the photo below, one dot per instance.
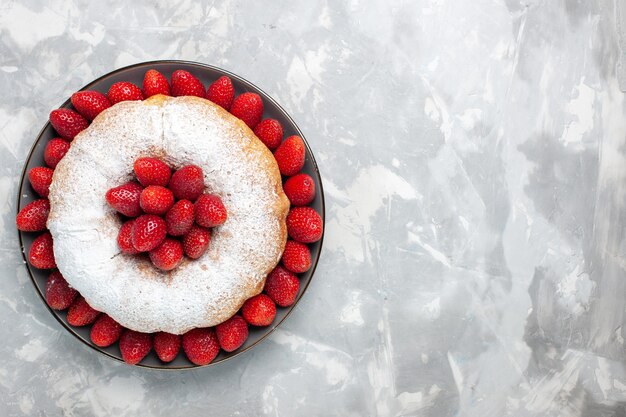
(41, 254)
(40, 179)
(185, 84)
(221, 92)
(297, 257)
(180, 218)
(33, 217)
(304, 224)
(81, 313)
(59, 294)
(270, 132)
(201, 345)
(155, 83)
(232, 333)
(210, 211)
(124, 238)
(55, 151)
(249, 108)
(67, 123)
(105, 331)
(282, 286)
(90, 103)
(124, 91)
(290, 155)
(196, 242)
(155, 199)
(134, 346)
(152, 171)
(167, 255)
(259, 310)
(148, 232)
(187, 183)
(125, 199)
(300, 189)
(166, 346)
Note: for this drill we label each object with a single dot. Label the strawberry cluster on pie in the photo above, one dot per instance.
(171, 216)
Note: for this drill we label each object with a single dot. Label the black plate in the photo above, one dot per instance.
(135, 74)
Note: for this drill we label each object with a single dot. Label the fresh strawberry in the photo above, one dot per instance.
(152, 171)
(270, 132)
(59, 294)
(166, 346)
(81, 313)
(300, 189)
(196, 242)
(67, 123)
(249, 108)
(185, 84)
(304, 224)
(290, 155)
(41, 253)
(124, 91)
(296, 257)
(155, 199)
(201, 345)
(90, 103)
(105, 331)
(221, 92)
(187, 183)
(134, 346)
(155, 83)
(148, 232)
(282, 286)
(124, 238)
(210, 211)
(125, 199)
(33, 216)
(40, 179)
(232, 333)
(167, 255)
(55, 151)
(259, 310)
(180, 218)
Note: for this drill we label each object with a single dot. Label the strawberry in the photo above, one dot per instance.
(259, 310)
(232, 333)
(59, 294)
(124, 91)
(166, 346)
(155, 199)
(249, 108)
(41, 253)
(296, 257)
(148, 232)
(90, 103)
(270, 132)
(67, 123)
(210, 211)
(201, 345)
(33, 216)
(55, 151)
(124, 238)
(290, 155)
(282, 286)
(105, 331)
(125, 199)
(180, 218)
(152, 171)
(304, 224)
(155, 83)
(167, 255)
(196, 242)
(187, 183)
(81, 313)
(300, 189)
(221, 92)
(134, 346)
(185, 84)
(40, 179)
